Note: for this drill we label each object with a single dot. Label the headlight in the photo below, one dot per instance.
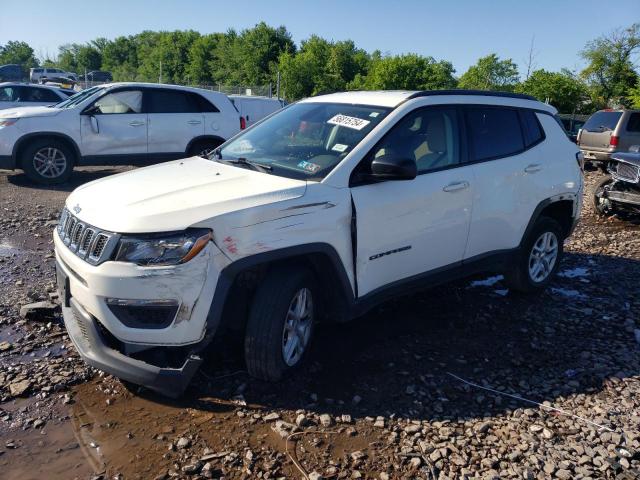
(160, 250)
(6, 122)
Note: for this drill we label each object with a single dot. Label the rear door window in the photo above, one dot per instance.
(602, 121)
(41, 95)
(493, 132)
(634, 123)
(170, 101)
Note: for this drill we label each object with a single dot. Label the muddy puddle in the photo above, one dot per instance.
(117, 432)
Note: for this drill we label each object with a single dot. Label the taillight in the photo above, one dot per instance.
(243, 123)
(613, 141)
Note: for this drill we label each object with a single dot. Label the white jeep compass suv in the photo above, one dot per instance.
(120, 123)
(316, 214)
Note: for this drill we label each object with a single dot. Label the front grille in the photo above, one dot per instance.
(86, 241)
(628, 172)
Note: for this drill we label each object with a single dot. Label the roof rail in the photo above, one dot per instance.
(484, 93)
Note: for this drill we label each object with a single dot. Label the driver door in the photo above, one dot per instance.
(406, 228)
(115, 126)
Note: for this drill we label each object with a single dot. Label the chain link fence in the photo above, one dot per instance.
(252, 90)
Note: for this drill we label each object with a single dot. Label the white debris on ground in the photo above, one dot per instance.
(487, 282)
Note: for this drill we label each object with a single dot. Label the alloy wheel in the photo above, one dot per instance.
(297, 327)
(49, 162)
(543, 257)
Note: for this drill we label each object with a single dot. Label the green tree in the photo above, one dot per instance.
(491, 73)
(634, 95)
(561, 89)
(610, 71)
(406, 72)
(120, 57)
(18, 52)
(321, 66)
(202, 59)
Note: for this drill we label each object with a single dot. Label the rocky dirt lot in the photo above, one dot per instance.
(464, 381)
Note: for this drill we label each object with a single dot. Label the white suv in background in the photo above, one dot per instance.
(316, 214)
(16, 94)
(35, 74)
(121, 123)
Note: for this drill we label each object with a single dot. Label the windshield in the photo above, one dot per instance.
(602, 121)
(305, 140)
(77, 98)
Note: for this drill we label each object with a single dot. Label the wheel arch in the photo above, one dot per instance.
(203, 138)
(22, 142)
(561, 208)
(239, 280)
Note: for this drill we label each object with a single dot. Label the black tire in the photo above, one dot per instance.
(519, 277)
(201, 146)
(32, 163)
(602, 208)
(265, 332)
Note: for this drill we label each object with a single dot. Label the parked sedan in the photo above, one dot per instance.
(14, 94)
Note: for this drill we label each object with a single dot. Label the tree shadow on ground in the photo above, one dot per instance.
(570, 339)
(79, 177)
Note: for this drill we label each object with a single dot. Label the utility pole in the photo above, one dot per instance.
(160, 77)
(278, 85)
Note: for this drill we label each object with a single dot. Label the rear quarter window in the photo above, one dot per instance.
(602, 121)
(531, 128)
(493, 132)
(634, 122)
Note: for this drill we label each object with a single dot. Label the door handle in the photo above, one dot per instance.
(136, 123)
(533, 168)
(194, 122)
(455, 186)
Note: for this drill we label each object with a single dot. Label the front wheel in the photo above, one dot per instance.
(539, 257)
(203, 148)
(601, 204)
(281, 323)
(48, 161)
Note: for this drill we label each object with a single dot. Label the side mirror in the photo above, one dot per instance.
(392, 167)
(95, 128)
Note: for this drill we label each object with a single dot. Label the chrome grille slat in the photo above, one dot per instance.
(87, 242)
(628, 172)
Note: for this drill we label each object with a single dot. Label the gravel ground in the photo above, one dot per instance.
(463, 381)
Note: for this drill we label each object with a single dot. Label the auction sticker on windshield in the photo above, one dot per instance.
(349, 122)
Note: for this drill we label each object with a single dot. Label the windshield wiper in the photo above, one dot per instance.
(259, 167)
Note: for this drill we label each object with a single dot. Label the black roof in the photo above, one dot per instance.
(485, 93)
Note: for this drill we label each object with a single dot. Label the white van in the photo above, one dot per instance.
(253, 109)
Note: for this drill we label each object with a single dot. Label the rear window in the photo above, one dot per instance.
(37, 70)
(493, 132)
(634, 123)
(531, 128)
(602, 121)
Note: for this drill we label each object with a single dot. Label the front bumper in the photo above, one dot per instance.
(91, 346)
(136, 354)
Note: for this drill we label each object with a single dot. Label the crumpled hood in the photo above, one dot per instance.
(26, 112)
(176, 195)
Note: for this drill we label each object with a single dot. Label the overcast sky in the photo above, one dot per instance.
(458, 31)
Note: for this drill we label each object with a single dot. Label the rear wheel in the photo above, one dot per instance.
(203, 148)
(48, 161)
(539, 257)
(602, 205)
(281, 323)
